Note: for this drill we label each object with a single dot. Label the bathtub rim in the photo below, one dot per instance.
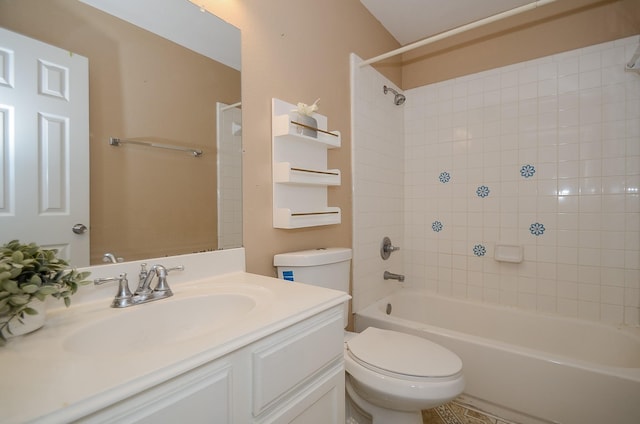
(376, 311)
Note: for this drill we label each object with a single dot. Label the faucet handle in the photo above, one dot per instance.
(162, 272)
(175, 268)
(386, 248)
(123, 296)
(143, 272)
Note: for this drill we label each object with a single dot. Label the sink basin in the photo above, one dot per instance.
(159, 323)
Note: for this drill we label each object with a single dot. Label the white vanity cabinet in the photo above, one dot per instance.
(298, 374)
(295, 375)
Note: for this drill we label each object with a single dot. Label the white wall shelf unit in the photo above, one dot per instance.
(300, 173)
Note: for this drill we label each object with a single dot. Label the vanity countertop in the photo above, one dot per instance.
(46, 381)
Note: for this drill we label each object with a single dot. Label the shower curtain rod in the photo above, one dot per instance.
(458, 30)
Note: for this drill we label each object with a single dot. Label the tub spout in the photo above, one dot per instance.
(391, 276)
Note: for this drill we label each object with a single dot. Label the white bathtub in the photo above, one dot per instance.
(526, 367)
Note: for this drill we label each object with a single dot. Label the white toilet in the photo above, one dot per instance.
(391, 376)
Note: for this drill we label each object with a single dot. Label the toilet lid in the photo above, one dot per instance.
(402, 353)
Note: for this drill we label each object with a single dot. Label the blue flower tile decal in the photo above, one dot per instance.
(537, 229)
(479, 250)
(483, 191)
(437, 226)
(527, 171)
(445, 177)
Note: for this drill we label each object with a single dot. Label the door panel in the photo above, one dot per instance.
(44, 146)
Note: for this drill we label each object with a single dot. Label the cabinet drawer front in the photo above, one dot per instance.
(203, 395)
(287, 360)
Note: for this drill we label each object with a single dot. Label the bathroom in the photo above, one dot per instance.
(305, 58)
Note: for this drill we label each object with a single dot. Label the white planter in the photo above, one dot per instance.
(18, 327)
(311, 124)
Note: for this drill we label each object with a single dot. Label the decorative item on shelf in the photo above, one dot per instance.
(303, 118)
(28, 274)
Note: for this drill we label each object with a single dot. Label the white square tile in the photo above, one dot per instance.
(589, 257)
(509, 78)
(632, 316)
(611, 314)
(569, 169)
(589, 310)
(528, 91)
(527, 301)
(528, 74)
(568, 280)
(548, 88)
(614, 258)
(568, 65)
(568, 83)
(567, 307)
(590, 61)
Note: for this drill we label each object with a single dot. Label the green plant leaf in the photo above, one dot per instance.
(19, 299)
(46, 290)
(17, 256)
(15, 271)
(30, 311)
(11, 286)
(30, 288)
(35, 279)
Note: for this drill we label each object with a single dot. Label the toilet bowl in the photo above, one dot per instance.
(390, 376)
(393, 374)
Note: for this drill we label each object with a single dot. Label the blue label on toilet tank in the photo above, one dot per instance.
(287, 275)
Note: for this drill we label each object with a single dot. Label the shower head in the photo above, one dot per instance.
(398, 99)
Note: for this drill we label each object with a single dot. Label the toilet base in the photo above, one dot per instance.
(360, 411)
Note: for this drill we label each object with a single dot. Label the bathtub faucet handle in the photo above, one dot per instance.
(387, 248)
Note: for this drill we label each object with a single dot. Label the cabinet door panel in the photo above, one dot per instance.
(321, 402)
(286, 362)
(198, 405)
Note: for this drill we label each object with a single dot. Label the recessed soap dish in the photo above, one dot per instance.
(508, 253)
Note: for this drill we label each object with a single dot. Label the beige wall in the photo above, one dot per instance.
(296, 51)
(560, 26)
(299, 51)
(144, 202)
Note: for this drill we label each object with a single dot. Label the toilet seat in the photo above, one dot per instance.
(398, 371)
(403, 355)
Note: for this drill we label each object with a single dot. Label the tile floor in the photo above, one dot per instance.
(456, 413)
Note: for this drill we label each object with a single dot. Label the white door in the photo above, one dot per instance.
(44, 146)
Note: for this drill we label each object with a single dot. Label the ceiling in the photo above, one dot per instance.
(413, 20)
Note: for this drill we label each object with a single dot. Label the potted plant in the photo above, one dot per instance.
(28, 274)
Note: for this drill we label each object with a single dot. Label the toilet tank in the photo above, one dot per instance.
(326, 267)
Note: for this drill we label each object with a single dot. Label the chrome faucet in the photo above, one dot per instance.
(111, 258)
(145, 277)
(391, 276)
(144, 293)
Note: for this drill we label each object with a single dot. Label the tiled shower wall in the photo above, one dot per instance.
(378, 181)
(229, 166)
(543, 154)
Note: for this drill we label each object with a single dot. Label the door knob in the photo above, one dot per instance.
(79, 228)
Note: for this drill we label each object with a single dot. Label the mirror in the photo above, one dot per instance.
(164, 89)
